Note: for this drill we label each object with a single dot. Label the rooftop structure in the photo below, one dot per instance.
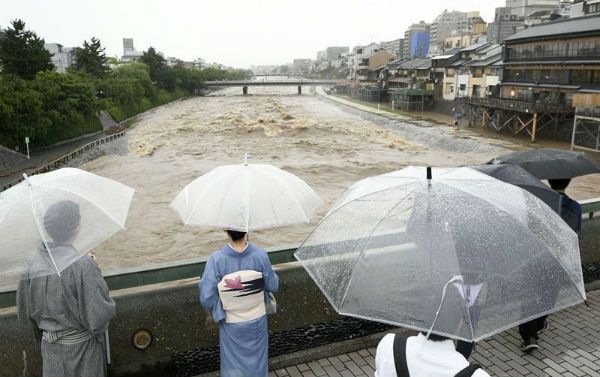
(335, 52)
(581, 8)
(561, 29)
(129, 52)
(358, 60)
(396, 47)
(301, 66)
(444, 25)
(505, 24)
(523, 8)
(416, 39)
(62, 57)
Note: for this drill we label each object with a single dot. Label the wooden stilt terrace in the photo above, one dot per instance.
(514, 115)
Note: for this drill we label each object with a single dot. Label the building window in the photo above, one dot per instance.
(581, 76)
(524, 95)
(595, 80)
(555, 50)
(463, 87)
(476, 91)
(593, 8)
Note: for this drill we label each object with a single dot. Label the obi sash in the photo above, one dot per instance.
(242, 296)
(71, 336)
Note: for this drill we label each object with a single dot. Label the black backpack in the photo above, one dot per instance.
(400, 360)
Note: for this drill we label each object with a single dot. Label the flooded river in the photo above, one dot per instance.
(328, 145)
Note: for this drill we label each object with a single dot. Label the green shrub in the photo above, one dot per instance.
(53, 107)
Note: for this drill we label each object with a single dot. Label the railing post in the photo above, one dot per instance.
(483, 119)
(534, 128)
(574, 132)
(598, 138)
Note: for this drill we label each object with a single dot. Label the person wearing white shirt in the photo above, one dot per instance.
(433, 357)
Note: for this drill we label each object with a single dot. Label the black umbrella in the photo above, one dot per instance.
(515, 175)
(551, 163)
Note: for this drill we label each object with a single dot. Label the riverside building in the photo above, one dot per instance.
(544, 67)
(417, 40)
(62, 57)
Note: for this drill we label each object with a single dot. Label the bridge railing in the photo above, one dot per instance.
(272, 82)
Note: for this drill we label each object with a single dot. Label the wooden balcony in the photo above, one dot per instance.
(520, 106)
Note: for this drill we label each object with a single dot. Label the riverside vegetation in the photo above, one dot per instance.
(47, 107)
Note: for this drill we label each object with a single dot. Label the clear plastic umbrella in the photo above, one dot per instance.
(483, 254)
(246, 197)
(50, 220)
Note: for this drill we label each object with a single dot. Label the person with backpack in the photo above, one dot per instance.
(421, 356)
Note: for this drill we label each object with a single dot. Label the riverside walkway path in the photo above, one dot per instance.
(571, 347)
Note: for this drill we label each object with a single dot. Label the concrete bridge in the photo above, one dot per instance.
(273, 75)
(292, 82)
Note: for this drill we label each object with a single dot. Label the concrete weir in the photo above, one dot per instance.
(159, 315)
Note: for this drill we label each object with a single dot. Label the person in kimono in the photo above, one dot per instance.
(234, 288)
(69, 312)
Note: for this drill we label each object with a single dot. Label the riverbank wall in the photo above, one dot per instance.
(560, 130)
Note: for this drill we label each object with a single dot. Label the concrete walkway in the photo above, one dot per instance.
(570, 348)
(12, 170)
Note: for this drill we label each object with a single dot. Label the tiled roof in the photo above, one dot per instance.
(581, 25)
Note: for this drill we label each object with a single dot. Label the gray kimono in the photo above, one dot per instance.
(69, 314)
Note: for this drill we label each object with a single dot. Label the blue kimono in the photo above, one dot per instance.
(235, 287)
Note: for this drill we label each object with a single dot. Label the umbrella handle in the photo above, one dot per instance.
(437, 313)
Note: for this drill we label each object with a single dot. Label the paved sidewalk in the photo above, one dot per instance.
(570, 348)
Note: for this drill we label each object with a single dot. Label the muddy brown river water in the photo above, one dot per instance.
(328, 145)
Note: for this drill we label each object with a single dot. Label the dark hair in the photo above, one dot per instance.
(435, 337)
(559, 184)
(235, 235)
(61, 220)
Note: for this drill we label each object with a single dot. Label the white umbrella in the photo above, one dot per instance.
(246, 197)
(50, 220)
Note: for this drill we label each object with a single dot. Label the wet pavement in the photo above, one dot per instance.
(571, 347)
(14, 168)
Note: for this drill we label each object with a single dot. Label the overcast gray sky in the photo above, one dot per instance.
(233, 32)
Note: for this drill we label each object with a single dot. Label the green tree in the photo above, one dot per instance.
(21, 112)
(160, 73)
(127, 91)
(113, 60)
(188, 79)
(69, 104)
(91, 59)
(22, 52)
